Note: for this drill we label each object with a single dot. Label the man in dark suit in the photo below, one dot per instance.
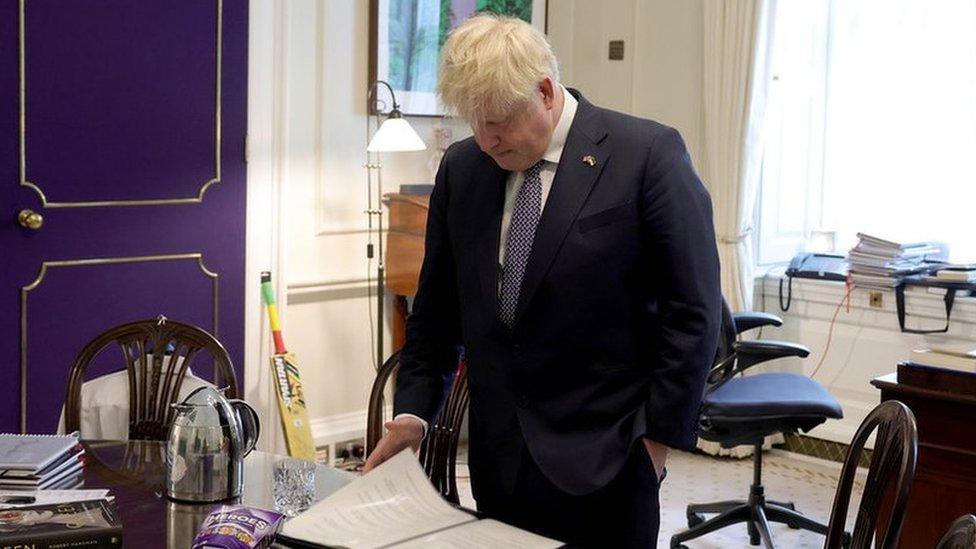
(570, 249)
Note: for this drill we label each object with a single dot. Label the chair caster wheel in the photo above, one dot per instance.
(846, 540)
(793, 525)
(754, 540)
(694, 519)
(678, 546)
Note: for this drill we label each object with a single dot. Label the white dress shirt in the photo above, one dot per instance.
(548, 172)
(515, 180)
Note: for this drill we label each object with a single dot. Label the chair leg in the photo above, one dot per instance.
(716, 507)
(739, 514)
(763, 526)
(787, 504)
(794, 519)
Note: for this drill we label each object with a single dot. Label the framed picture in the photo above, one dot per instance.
(405, 40)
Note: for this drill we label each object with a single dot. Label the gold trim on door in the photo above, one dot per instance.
(91, 204)
(214, 277)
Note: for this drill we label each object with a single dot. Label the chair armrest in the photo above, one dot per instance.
(747, 320)
(762, 350)
(746, 354)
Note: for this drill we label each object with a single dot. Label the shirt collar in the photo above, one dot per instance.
(561, 132)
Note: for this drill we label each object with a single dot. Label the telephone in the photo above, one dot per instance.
(809, 265)
(820, 266)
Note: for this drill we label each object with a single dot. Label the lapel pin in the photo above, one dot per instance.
(589, 160)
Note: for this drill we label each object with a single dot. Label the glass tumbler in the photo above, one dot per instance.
(294, 485)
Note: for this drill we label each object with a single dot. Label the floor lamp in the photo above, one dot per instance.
(394, 135)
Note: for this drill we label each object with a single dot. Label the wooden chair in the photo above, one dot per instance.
(152, 387)
(438, 451)
(891, 470)
(961, 534)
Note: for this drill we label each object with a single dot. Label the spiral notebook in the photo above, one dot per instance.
(33, 453)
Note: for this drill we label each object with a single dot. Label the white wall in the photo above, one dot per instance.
(327, 318)
(320, 71)
(660, 76)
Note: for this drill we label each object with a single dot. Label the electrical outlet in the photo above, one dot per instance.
(876, 300)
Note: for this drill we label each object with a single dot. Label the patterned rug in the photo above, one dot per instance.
(692, 478)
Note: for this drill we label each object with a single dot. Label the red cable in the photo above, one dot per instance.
(830, 331)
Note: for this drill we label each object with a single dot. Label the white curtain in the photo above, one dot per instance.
(737, 34)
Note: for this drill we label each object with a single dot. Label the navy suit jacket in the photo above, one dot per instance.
(618, 315)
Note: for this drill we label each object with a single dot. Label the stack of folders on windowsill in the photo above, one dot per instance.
(36, 462)
(962, 361)
(878, 263)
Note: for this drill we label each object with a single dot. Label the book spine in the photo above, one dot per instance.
(83, 539)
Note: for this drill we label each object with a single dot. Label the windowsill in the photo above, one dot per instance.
(926, 305)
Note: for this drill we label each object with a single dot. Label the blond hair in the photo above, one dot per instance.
(492, 65)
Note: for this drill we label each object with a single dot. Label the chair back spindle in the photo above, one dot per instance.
(438, 451)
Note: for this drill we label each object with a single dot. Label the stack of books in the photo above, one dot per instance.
(945, 358)
(879, 263)
(36, 462)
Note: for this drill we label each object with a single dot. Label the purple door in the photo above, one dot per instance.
(122, 124)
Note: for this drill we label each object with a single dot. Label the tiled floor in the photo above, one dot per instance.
(808, 482)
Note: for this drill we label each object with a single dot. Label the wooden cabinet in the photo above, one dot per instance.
(944, 404)
(404, 254)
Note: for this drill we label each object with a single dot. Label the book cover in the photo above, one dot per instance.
(90, 523)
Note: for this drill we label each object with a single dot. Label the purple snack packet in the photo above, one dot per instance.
(238, 527)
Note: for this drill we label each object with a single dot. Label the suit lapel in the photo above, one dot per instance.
(490, 189)
(584, 156)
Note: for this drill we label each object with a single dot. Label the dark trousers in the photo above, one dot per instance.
(624, 513)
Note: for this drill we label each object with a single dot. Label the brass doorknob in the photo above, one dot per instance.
(29, 219)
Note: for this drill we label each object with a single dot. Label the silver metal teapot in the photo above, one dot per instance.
(207, 443)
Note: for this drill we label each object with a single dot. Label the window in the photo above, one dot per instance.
(871, 126)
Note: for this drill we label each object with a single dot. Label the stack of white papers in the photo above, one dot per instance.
(879, 263)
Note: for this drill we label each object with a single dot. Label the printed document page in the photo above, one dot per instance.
(394, 502)
(482, 534)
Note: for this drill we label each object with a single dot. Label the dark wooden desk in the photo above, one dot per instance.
(404, 255)
(135, 473)
(944, 404)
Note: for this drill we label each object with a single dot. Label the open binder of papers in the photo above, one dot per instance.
(396, 506)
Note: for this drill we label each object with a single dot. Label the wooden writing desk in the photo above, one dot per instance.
(404, 254)
(944, 404)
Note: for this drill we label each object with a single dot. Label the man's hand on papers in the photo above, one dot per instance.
(401, 433)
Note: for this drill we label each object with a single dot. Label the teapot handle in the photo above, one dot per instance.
(250, 425)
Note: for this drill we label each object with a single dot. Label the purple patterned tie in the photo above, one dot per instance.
(518, 246)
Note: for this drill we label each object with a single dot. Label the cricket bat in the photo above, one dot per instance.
(288, 385)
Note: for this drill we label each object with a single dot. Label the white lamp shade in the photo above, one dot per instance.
(396, 134)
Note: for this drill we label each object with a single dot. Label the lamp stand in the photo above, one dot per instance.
(394, 134)
(377, 212)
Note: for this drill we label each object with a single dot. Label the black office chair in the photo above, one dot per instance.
(739, 410)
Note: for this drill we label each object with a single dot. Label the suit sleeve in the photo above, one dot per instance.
(676, 216)
(433, 327)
